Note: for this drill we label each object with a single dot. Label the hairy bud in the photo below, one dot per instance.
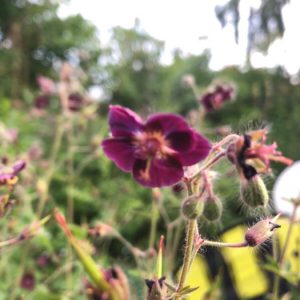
(157, 290)
(192, 207)
(213, 208)
(254, 192)
(261, 231)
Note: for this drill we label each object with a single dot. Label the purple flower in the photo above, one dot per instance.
(42, 101)
(155, 151)
(7, 174)
(216, 98)
(75, 102)
(28, 281)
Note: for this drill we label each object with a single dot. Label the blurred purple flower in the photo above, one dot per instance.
(42, 101)
(155, 151)
(75, 102)
(8, 174)
(43, 260)
(27, 281)
(216, 98)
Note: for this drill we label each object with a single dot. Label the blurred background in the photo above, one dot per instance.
(63, 62)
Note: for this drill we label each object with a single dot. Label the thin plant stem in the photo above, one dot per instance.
(226, 140)
(173, 238)
(227, 245)
(58, 272)
(56, 146)
(84, 163)
(289, 234)
(276, 287)
(70, 198)
(190, 234)
(153, 227)
(210, 163)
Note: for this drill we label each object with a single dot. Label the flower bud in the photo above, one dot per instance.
(117, 281)
(261, 231)
(28, 281)
(213, 208)
(32, 230)
(192, 207)
(254, 192)
(157, 289)
(101, 230)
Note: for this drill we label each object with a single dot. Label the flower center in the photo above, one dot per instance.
(149, 145)
(152, 146)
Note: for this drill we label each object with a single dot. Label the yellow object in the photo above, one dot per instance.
(248, 278)
(292, 255)
(198, 277)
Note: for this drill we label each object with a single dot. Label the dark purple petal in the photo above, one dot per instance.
(123, 122)
(180, 140)
(162, 172)
(196, 153)
(120, 151)
(166, 123)
(207, 101)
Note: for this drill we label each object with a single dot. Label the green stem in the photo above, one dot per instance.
(129, 246)
(223, 245)
(289, 234)
(154, 219)
(210, 163)
(190, 233)
(56, 146)
(276, 286)
(70, 199)
(172, 242)
(229, 138)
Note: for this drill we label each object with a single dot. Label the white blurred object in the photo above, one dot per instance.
(287, 187)
(95, 93)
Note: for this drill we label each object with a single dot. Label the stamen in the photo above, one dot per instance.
(146, 174)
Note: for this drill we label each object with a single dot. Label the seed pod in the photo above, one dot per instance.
(192, 207)
(261, 231)
(254, 192)
(213, 208)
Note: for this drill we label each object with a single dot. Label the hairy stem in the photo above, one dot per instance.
(223, 245)
(190, 234)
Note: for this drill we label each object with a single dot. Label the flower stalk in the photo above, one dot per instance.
(292, 222)
(190, 234)
(223, 245)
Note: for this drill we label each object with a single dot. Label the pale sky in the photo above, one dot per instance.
(180, 24)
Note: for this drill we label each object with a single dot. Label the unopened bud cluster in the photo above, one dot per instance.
(213, 208)
(192, 207)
